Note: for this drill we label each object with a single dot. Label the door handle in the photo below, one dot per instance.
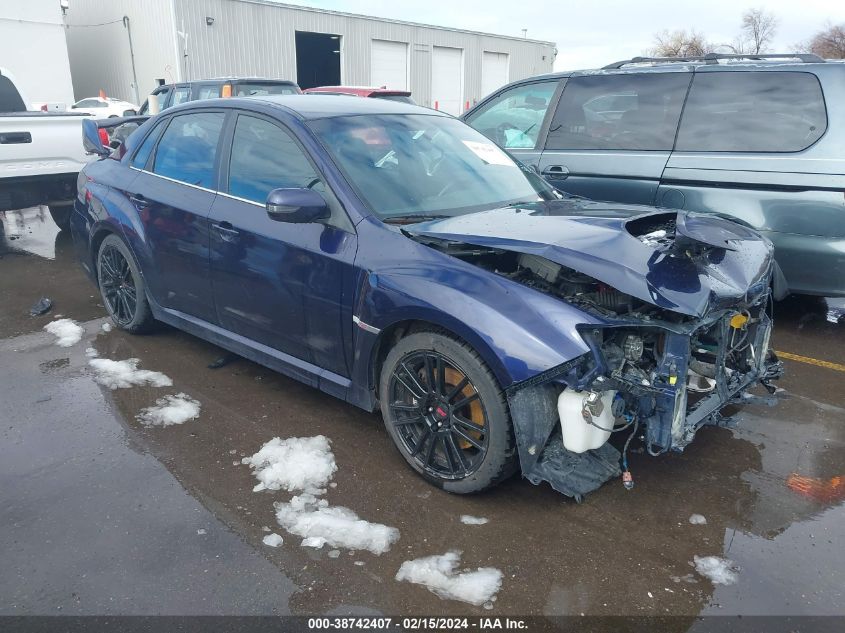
(14, 138)
(227, 232)
(139, 201)
(555, 171)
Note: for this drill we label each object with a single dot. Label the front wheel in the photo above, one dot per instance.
(122, 287)
(446, 414)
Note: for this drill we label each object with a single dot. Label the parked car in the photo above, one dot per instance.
(104, 108)
(173, 94)
(357, 91)
(758, 140)
(394, 257)
(40, 155)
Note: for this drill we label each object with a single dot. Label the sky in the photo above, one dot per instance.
(592, 34)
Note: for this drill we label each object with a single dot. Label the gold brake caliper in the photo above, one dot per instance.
(476, 413)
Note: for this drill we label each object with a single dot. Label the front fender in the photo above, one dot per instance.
(519, 332)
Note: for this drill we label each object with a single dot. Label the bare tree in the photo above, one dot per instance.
(828, 43)
(758, 30)
(679, 43)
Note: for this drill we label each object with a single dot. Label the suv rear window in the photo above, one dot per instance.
(619, 112)
(752, 112)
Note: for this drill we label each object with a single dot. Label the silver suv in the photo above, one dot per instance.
(761, 140)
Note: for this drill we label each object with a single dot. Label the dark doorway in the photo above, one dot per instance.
(317, 59)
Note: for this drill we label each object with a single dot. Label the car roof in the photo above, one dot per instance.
(316, 106)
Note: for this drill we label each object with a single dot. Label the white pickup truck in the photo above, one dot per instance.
(41, 155)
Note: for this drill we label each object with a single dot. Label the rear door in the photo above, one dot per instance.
(277, 283)
(513, 118)
(173, 194)
(611, 134)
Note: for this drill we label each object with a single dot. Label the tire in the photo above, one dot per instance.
(61, 216)
(122, 287)
(457, 435)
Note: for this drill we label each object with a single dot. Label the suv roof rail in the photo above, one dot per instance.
(713, 58)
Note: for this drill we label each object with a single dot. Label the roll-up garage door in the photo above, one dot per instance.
(389, 64)
(447, 79)
(494, 71)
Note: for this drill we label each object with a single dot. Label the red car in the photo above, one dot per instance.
(358, 91)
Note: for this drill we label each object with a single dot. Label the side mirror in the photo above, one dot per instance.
(91, 140)
(129, 112)
(299, 206)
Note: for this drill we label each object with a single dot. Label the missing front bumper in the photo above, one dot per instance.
(668, 415)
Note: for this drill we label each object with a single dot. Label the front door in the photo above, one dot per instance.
(277, 283)
(611, 134)
(173, 194)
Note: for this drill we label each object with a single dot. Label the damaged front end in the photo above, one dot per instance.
(653, 372)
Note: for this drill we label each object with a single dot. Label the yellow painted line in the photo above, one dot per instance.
(811, 361)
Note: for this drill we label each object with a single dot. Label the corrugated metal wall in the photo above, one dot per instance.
(257, 38)
(254, 37)
(98, 46)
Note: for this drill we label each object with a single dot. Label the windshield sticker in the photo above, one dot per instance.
(489, 153)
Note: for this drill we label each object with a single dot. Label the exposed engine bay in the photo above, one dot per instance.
(652, 374)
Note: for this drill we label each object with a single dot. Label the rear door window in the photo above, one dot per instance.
(141, 156)
(513, 118)
(188, 148)
(752, 112)
(619, 112)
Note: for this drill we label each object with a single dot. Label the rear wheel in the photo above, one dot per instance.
(122, 287)
(446, 414)
(61, 215)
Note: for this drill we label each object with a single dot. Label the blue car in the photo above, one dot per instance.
(394, 257)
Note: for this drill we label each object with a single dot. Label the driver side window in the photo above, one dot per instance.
(265, 157)
(513, 119)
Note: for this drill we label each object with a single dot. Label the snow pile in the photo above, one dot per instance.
(318, 523)
(273, 540)
(170, 410)
(439, 574)
(106, 327)
(90, 352)
(120, 374)
(306, 465)
(295, 464)
(697, 519)
(66, 331)
(468, 519)
(720, 571)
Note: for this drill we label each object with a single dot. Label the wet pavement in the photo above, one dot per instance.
(101, 515)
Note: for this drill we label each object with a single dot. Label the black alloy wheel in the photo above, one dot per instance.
(446, 413)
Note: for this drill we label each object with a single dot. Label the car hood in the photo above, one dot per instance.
(700, 264)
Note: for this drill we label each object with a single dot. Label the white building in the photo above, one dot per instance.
(125, 46)
(33, 51)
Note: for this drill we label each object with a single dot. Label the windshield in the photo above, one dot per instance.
(424, 165)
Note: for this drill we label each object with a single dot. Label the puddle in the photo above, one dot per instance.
(31, 230)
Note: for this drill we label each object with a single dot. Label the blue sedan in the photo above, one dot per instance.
(392, 256)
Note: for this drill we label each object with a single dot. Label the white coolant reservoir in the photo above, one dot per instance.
(578, 435)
